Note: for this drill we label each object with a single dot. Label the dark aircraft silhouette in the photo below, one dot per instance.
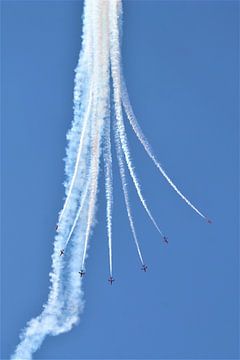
(81, 273)
(56, 227)
(209, 221)
(111, 279)
(61, 252)
(144, 268)
(165, 239)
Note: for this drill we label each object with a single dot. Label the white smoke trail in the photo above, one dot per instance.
(108, 188)
(83, 73)
(82, 203)
(100, 107)
(125, 192)
(138, 131)
(79, 153)
(93, 193)
(115, 11)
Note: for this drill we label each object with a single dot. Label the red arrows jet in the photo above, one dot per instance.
(111, 279)
(165, 239)
(144, 268)
(81, 273)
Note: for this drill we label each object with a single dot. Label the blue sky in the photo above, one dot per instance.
(180, 60)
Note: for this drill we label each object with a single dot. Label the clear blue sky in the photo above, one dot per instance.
(181, 66)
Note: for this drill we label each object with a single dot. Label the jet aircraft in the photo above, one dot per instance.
(165, 239)
(111, 279)
(61, 252)
(81, 272)
(144, 268)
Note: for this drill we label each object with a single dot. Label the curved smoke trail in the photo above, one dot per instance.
(125, 193)
(115, 9)
(138, 131)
